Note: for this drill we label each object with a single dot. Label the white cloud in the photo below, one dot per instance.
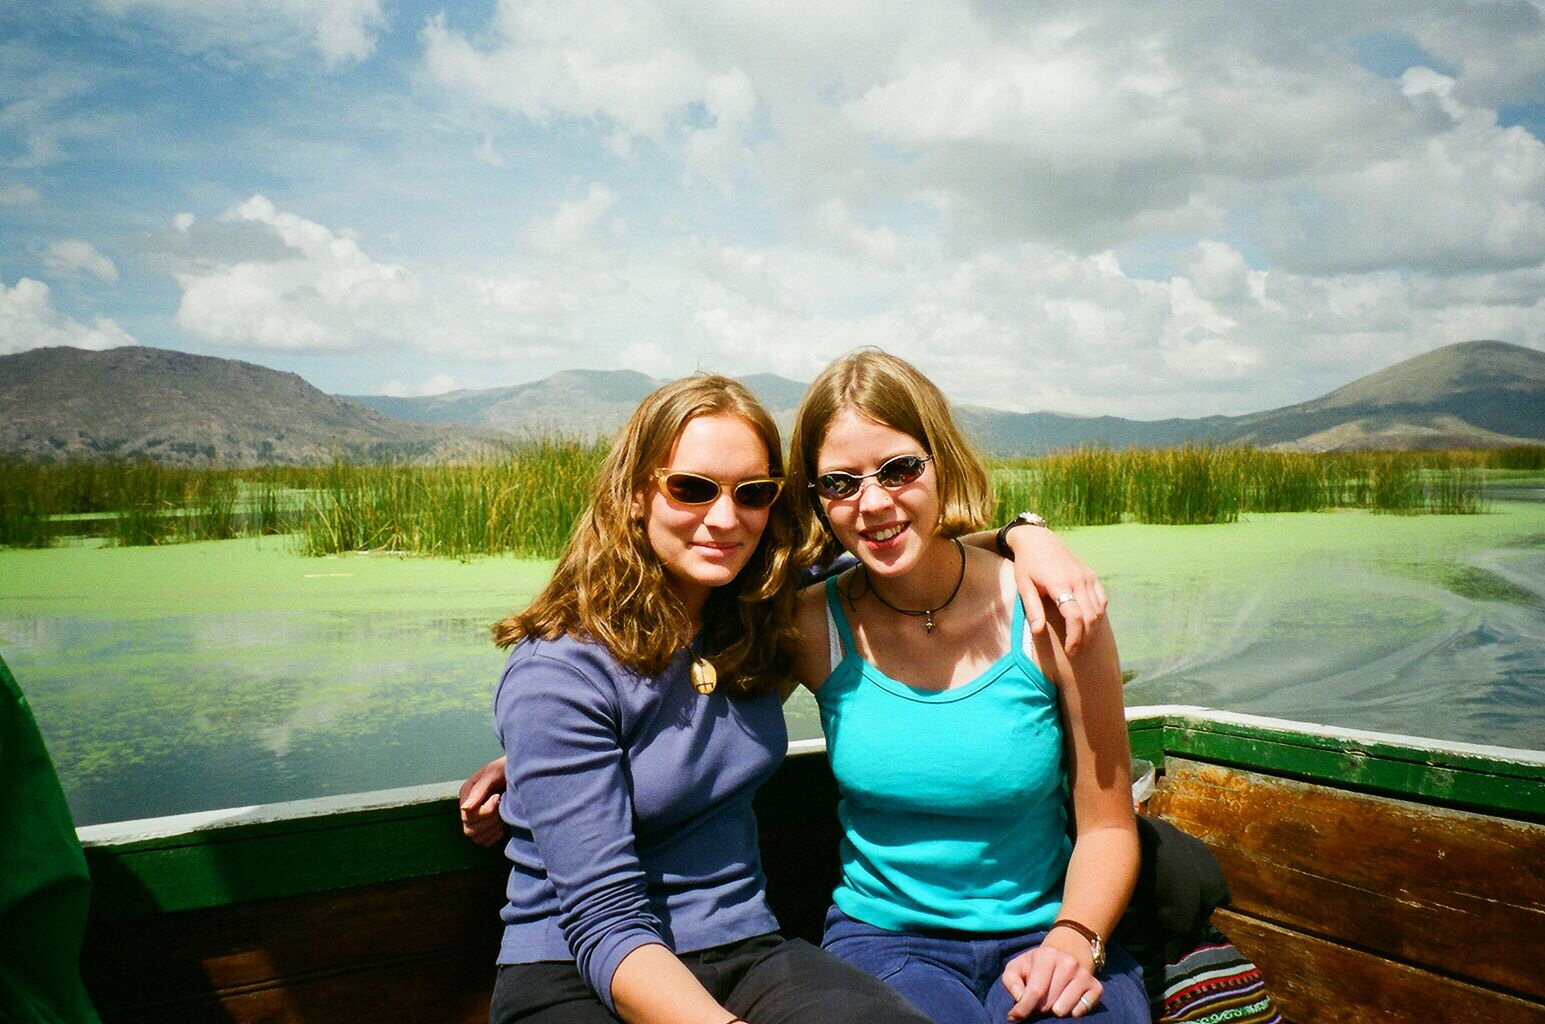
(41, 110)
(439, 384)
(1041, 328)
(289, 283)
(878, 246)
(578, 231)
(623, 67)
(1469, 195)
(340, 31)
(72, 257)
(18, 195)
(330, 295)
(744, 272)
(29, 320)
(1085, 126)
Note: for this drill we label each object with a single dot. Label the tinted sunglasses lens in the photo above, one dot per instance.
(691, 490)
(756, 493)
(836, 485)
(901, 470)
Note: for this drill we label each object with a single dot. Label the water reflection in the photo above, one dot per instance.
(167, 715)
(154, 715)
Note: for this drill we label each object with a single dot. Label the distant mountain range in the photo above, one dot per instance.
(137, 402)
(172, 406)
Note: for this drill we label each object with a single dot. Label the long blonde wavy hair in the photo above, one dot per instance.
(610, 586)
(888, 390)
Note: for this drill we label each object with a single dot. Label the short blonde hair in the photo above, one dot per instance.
(888, 390)
(610, 587)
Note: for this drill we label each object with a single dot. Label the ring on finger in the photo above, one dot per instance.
(1065, 598)
(1086, 1002)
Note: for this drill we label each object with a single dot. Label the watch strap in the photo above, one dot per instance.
(1096, 942)
(1023, 519)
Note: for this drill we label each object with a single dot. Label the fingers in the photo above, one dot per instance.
(1082, 613)
(481, 823)
(1078, 998)
(487, 779)
(1072, 626)
(1030, 596)
(1038, 979)
(1050, 980)
(1027, 977)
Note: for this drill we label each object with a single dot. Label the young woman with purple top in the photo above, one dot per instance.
(956, 737)
(640, 710)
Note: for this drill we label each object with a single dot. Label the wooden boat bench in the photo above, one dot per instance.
(1375, 880)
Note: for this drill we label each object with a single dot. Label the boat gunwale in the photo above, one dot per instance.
(219, 857)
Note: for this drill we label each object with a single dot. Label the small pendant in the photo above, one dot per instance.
(704, 676)
(928, 622)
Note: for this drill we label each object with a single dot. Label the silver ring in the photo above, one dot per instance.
(1065, 598)
(1083, 1001)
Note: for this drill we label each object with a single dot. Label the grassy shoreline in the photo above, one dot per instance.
(527, 502)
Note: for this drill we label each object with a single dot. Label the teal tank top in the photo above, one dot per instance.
(953, 803)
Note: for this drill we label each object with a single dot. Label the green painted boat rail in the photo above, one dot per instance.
(216, 858)
(1495, 780)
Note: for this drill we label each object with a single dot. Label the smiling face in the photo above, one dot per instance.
(887, 529)
(705, 546)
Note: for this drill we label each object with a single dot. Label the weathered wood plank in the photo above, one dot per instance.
(1453, 891)
(1314, 981)
(447, 989)
(265, 955)
(1489, 778)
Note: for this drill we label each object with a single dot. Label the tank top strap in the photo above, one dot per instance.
(834, 610)
(1019, 627)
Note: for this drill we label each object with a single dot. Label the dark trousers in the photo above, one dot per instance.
(767, 979)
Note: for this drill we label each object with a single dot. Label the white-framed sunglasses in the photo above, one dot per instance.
(695, 489)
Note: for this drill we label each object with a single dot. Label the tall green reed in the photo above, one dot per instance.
(525, 503)
(1204, 484)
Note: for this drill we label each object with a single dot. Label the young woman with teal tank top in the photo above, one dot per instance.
(959, 742)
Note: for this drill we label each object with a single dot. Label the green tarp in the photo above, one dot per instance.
(44, 888)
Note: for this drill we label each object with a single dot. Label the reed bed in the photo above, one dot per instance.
(526, 502)
(139, 503)
(1204, 484)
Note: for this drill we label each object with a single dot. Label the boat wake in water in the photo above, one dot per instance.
(1452, 650)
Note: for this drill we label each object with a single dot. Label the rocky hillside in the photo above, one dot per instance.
(138, 402)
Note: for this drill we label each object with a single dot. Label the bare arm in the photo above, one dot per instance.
(1044, 565)
(1103, 868)
(812, 652)
(651, 986)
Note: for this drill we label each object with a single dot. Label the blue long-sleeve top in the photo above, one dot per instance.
(629, 806)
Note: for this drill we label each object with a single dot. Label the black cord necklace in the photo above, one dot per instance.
(925, 614)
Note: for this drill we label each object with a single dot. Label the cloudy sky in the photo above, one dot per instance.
(1136, 209)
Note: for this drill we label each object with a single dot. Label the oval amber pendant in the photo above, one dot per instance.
(704, 677)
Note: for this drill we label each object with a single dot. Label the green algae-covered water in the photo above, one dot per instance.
(237, 672)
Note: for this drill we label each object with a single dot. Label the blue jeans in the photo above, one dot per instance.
(955, 977)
